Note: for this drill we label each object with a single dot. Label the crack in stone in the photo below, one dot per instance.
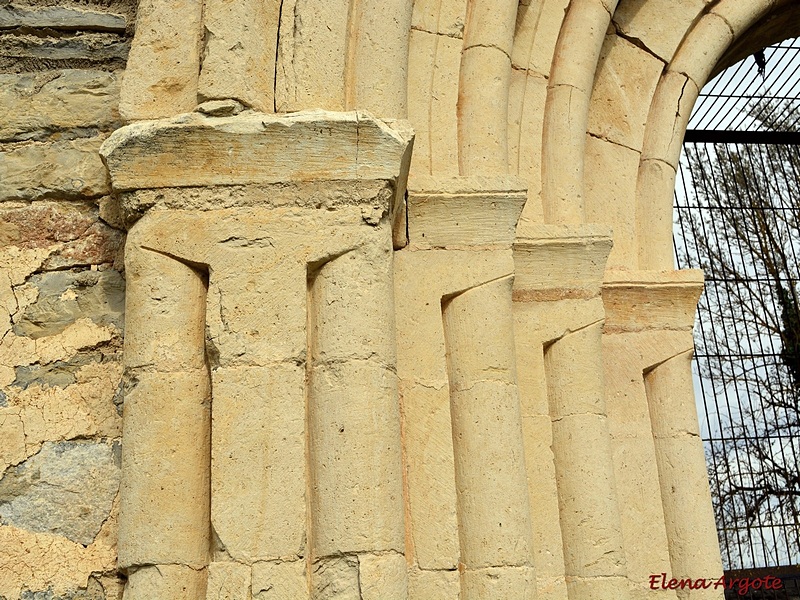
(652, 368)
(277, 53)
(635, 41)
(610, 141)
(491, 46)
(449, 296)
(439, 33)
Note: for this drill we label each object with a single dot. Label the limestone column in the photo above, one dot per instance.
(483, 87)
(650, 316)
(491, 485)
(164, 521)
(590, 523)
(306, 470)
(559, 312)
(468, 510)
(691, 531)
(163, 66)
(626, 355)
(357, 531)
(239, 52)
(258, 439)
(548, 556)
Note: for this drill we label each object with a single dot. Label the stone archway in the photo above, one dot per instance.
(646, 83)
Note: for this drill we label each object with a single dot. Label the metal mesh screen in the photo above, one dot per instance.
(737, 213)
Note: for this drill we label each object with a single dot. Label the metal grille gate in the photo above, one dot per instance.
(737, 216)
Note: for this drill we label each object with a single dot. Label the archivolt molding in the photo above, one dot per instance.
(566, 112)
(619, 165)
(483, 87)
(490, 87)
(677, 91)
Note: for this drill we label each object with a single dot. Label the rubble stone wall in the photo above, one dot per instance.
(63, 298)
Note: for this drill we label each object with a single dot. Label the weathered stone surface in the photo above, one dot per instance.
(383, 576)
(464, 211)
(94, 591)
(336, 198)
(60, 169)
(594, 504)
(66, 489)
(434, 65)
(348, 320)
(58, 374)
(20, 350)
(639, 20)
(12, 438)
(669, 116)
(445, 18)
(491, 482)
(56, 17)
(164, 520)
(568, 96)
(258, 461)
(648, 300)
(654, 221)
(54, 389)
(710, 38)
(691, 534)
(37, 105)
(164, 64)
(422, 279)
(359, 148)
(377, 76)
(69, 234)
(27, 52)
(66, 296)
(335, 579)
(596, 588)
(625, 74)
(353, 412)
(568, 261)
(527, 99)
(483, 103)
(280, 580)
(82, 409)
(220, 108)
(163, 293)
(312, 61)
(433, 585)
(176, 582)
(581, 444)
(31, 562)
(111, 212)
(232, 30)
(228, 581)
(507, 583)
(256, 148)
(557, 262)
(609, 189)
(548, 553)
(428, 443)
(256, 312)
(340, 260)
(538, 28)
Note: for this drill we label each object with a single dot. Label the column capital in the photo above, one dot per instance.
(651, 300)
(194, 150)
(456, 212)
(560, 262)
